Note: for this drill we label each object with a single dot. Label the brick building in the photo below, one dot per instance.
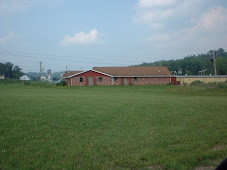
(120, 76)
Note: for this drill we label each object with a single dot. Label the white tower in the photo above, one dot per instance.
(49, 75)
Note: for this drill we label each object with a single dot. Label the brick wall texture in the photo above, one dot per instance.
(104, 80)
(151, 80)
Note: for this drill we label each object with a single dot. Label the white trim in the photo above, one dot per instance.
(87, 71)
(102, 73)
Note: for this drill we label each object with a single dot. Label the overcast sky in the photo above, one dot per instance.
(81, 34)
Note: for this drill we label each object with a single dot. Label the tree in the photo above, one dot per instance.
(9, 70)
(195, 63)
(2, 69)
(17, 72)
(55, 79)
(222, 65)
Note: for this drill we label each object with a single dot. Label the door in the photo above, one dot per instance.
(125, 81)
(90, 81)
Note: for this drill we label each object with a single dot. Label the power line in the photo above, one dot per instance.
(61, 59)
(43, 54)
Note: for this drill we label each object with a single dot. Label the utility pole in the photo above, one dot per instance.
(66, 68)
(40, 69)
(215, 70)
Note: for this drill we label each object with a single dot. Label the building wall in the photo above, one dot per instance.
(150, 80)
(106, 81)
(189, 80)
(117, 81)
(174, 80)
(142, 80)
(75, 81)
(67, 81)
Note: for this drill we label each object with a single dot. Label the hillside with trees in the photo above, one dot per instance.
(55, 76)
(194, 64)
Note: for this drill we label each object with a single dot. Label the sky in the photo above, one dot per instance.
(82, 34)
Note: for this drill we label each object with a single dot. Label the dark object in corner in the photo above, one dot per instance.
(222, 165)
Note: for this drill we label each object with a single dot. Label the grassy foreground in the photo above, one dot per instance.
(119, 127)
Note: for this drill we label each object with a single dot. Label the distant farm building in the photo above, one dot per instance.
(25, 78)
(119, 76)
(2, 77)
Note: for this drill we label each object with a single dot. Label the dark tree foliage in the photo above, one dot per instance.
(55, 79)
(10, 71)
(192, 65)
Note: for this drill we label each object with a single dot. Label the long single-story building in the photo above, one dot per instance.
(148, 75)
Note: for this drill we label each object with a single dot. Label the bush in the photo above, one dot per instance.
(43, 84)
(197, 83)
(185, 84)
(222, 85)
(27, 83)
(61, 83)
(170, 83)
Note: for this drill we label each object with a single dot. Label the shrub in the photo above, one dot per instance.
(27, 83)
(61, 83)
(222, 85)
(43, 84)
(170, 83)
(185, 84)
(197, 83)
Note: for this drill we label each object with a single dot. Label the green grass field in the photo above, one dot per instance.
(118, 127)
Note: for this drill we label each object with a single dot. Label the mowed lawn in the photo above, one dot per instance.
(118, 127)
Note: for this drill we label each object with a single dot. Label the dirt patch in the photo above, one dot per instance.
(205, 168)
(219, 147)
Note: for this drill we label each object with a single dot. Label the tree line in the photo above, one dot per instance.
(15, 72)
(10, 71)
(196, 64)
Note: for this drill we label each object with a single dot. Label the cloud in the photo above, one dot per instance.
(162, 12)
(6, 38)
(81, 38)
(214, 19)
(155, 3)
(154, 16)
(208, 31)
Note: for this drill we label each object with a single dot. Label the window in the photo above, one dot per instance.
(135, 79)
(81, 79)
(100, 79)
(115, 79)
